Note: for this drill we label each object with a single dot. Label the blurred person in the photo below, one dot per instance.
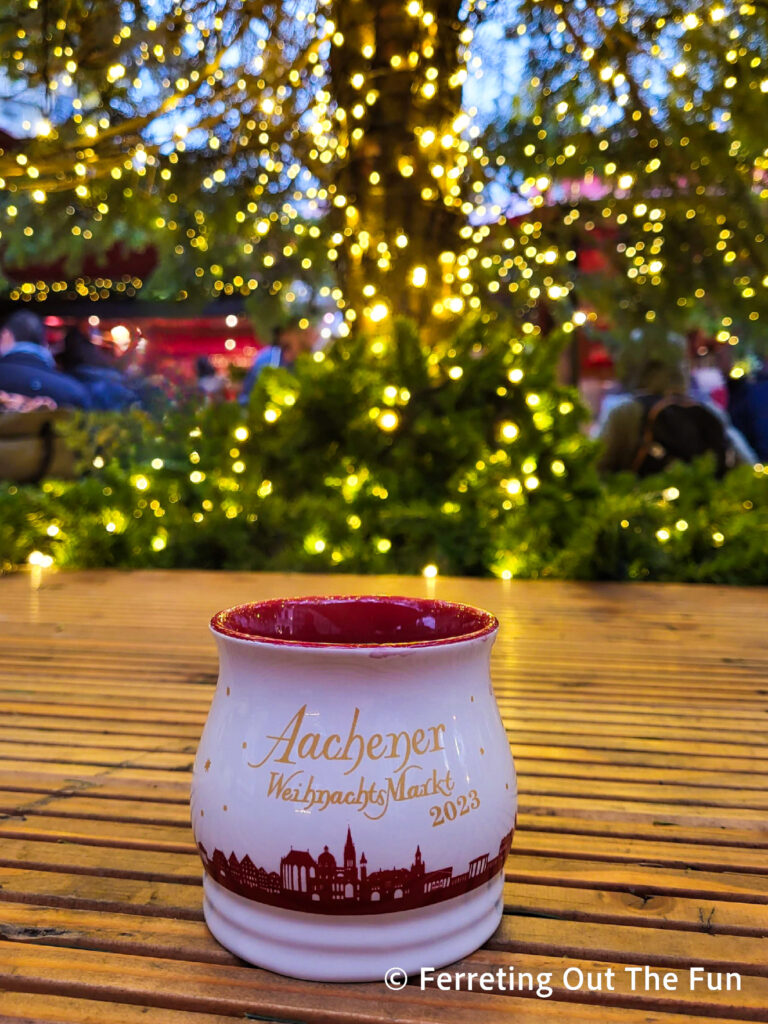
(287, 344)
(210, 383)
(749, 409)
(137, 362)
(107, 386)
(27, 367)
(656, 421)
(708, 384)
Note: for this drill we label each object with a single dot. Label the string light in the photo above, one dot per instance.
(388, 420)
(278, 162)
(39, 560)
(284, 90)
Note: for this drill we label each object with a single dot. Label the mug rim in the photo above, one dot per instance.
(484, 622)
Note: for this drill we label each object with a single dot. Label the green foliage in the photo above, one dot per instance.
(384, 456)
(258, 147)
(683, 525)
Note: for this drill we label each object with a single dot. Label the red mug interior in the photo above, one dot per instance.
(367, 621)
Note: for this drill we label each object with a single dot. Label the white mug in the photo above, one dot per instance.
(354, 795)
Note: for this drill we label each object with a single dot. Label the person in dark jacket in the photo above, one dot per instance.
(288, 343)
(749, 409)
(106, 385)
(210, 385)
(627, 433)
(28, 368)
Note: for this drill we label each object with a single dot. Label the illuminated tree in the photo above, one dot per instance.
(257, 144)
(639, 133)
(261, 145)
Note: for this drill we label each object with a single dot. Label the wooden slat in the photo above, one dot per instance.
(28, 1007)
(177, 839)
(638, 724)
(219, 988)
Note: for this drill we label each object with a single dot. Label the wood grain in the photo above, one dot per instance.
(637, 716)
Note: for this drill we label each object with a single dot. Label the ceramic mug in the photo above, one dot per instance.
(354, 795)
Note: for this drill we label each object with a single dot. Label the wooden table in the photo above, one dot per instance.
(637, 716)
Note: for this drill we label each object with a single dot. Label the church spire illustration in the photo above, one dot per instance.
(349, 853)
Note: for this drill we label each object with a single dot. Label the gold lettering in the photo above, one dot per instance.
(374, 743)
(400, 746)
(278, 784)
(287, 736)
(354, 737)
(396, 737)
(435, 730)
(326, 748)
(308, 745)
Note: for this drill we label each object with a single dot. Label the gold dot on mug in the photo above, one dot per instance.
(202, 814)
(244, 744)
(472, 699)
(224, 807)
(228, 691)
(506, 785)
(482, 750)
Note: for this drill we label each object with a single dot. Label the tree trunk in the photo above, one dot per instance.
(386, 170)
